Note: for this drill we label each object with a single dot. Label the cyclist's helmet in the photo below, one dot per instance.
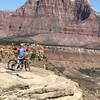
(22, 44)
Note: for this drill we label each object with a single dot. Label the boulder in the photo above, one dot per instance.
(38, 84)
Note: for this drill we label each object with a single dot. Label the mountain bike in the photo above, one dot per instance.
(15, 65)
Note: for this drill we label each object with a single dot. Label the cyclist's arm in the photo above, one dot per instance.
(15, 48)
(27, 49)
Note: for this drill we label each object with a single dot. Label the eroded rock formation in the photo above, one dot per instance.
(38, 84)
(63, 18)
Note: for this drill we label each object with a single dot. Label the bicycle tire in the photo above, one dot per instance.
(11, 64)
(26, 65)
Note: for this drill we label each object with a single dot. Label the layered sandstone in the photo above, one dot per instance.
(62, 18)
(38, 84)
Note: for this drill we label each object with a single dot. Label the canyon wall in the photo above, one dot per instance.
(73, 58)
(52, 21)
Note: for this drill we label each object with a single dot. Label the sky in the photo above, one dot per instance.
(96, 4)
(12, 5)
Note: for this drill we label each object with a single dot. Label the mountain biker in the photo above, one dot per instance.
(21, 53)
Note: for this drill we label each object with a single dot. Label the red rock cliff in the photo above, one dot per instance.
(63, 21)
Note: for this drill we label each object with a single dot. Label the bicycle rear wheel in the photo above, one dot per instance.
(26, 64)
(12, 64)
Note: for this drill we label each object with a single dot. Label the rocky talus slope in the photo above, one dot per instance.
(38, 84)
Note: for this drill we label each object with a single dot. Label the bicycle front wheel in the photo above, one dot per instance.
(12, 64)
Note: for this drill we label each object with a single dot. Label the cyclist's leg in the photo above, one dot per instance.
(27, 65)
(18, 62)
(22, 62)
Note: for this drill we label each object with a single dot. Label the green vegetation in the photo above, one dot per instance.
(6, 42)
(9, 42)
(98, 90)
(91, 72)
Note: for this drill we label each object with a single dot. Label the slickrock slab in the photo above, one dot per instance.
(35, 86)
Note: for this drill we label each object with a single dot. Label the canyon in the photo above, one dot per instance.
(70, 33)
(59, 22)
